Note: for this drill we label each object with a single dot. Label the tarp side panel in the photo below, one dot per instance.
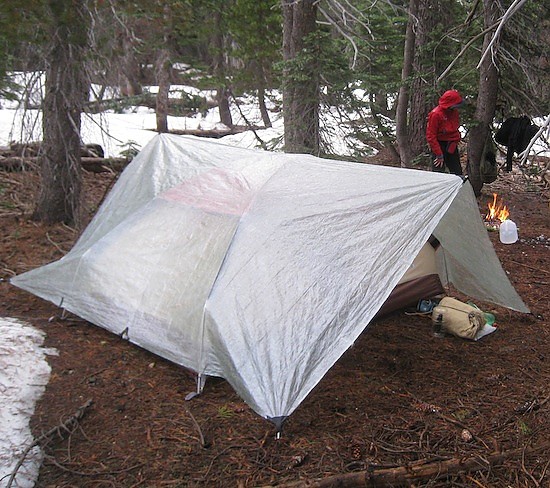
(152, 272)
(310, 265)
(150, 276)
(467, 258)
(166, 161)
(135, 187)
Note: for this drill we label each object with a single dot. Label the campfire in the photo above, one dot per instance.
(498, 213)
(497, 220)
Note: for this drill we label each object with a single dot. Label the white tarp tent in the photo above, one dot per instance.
(260, 267)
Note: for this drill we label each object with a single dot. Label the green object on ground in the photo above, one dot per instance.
(489, 318)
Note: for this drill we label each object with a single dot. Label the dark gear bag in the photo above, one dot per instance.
(515, 133)
(488, 167)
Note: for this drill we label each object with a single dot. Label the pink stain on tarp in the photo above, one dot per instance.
(216, 191)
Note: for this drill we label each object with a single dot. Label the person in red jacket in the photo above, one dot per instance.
(443, 135)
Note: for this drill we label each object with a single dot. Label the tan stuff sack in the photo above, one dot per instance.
(458, 318)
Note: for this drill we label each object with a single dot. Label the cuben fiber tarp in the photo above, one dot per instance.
(262, 267)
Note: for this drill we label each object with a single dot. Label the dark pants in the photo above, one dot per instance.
(451, 161)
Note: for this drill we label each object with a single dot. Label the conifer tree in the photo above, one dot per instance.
(66, 91)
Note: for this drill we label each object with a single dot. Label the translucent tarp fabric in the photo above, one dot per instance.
(262, 268)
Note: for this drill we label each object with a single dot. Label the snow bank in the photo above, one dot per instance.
(24, 374)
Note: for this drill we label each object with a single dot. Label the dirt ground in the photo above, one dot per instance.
(398, 397)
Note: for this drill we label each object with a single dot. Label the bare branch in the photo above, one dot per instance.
(68, 426)
(464, 49)
(511, 11)
(348, 37)
(539, 133)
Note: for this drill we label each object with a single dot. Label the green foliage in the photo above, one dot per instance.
(462, 414)
(13, 28)
(187, 104)
(255, 27)
(225, 412)
(130, 150)
(321, 56)
(124, 104)
(368, 57)
(9, 90)
(523, 428)
(380, 63)
(193, 102)
(524, 60)
(447, 42)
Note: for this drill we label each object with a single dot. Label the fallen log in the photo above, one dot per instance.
(94, 165)
(32, 149)
(214, 133)
(211, 133)
(101, 165)
(409, 473)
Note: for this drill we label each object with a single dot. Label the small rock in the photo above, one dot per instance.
(466, 435)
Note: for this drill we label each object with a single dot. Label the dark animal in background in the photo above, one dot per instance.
(515, 133)
(92, 151)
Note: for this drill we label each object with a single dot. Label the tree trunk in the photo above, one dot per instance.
(130, 84)
(300, 86)
(486, 102)
(414, 101)
(223, 91)
(377, 112)
(263, 107)
(65, 93)
(380, 101)
(260, 81)
(163, 66)
(163, 80)
(429, 15)
(224, 107)
(404, 147)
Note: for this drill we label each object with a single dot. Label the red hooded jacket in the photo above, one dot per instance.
(443, 122)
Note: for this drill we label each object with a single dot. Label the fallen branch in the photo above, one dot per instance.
(412, 472)
(93, 473)
(252, 128)
(204, 443)
(531, 267)
(67, 426)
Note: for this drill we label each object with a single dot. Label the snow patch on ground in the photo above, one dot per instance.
(24, 374)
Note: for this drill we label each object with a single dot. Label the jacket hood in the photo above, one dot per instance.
(450, 98)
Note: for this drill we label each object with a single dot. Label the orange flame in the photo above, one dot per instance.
(497, 211)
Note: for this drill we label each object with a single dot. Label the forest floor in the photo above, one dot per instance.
(398, 397)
